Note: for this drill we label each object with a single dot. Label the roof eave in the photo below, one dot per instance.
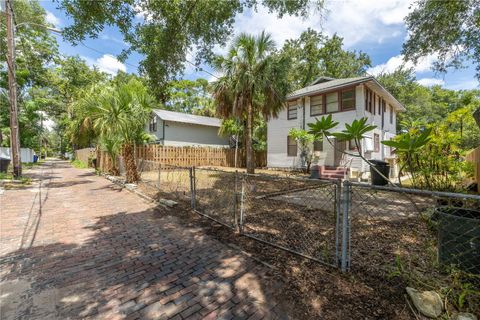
(397, 104)
(190, 122)
(347, 84)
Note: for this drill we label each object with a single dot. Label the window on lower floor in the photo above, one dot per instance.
(352, 145)
(153, 124)
(376, 142)
(291, 147)
(318, 145)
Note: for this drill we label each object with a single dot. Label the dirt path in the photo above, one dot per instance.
(75, 246)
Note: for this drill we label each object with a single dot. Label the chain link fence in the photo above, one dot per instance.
(161, 181)
(401, 237)
(386, 237)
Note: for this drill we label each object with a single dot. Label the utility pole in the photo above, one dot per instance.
(12, 91)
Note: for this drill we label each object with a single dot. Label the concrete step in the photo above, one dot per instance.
(332, 176)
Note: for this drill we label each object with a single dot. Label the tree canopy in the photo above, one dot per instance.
(429, 105)
(164, 32)
(314, 54)
(448, 29)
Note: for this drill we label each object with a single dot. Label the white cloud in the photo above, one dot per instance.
(109, 64)
(366, 20)
(424, 64)
(355, 21)
(51, 18)
(106, 63)
(428, 82)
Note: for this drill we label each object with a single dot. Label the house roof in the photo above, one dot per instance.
(187, 118)
(324, 84)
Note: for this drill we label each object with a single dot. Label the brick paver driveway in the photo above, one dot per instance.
(74, 246)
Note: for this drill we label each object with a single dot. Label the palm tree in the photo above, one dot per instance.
(254, 83)
(118, 114)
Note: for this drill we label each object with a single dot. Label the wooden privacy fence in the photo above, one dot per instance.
(474, 158)
(186, 156)
(104, 161)
(197, 156)
(85, 154)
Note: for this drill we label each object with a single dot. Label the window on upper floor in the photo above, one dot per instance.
(332, 102)
(348, 99)
(318, 145)
(316, 105)
(153, 124)
(391, 115)
(291, 147)
(368, 100)
(292, 110)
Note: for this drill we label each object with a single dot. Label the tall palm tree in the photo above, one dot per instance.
(254, 83)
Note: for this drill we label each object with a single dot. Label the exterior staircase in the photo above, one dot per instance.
(332, 173)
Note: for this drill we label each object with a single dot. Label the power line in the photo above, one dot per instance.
(104, 53)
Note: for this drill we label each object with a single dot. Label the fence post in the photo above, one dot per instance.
(345, 263)
(242, 202)
(235, 202)
(191, 171)
(338, 214)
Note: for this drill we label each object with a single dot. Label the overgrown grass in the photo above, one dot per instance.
(79, 164)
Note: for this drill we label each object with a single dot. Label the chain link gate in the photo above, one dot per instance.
(214, 195)
(301, 216)
(298, 215)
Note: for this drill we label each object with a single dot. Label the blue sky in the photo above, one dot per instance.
(375, 27)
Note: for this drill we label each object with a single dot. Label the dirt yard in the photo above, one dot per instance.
(392, 244)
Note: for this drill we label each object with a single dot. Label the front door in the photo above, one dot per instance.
(339, 146)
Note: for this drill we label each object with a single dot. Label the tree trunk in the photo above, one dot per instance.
(130, 165)
(249, 143)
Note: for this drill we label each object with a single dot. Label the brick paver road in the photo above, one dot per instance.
(74, 246)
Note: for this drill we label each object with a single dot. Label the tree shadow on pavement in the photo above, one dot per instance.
(136, 265)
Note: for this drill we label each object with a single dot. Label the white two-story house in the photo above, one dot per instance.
(346, 100)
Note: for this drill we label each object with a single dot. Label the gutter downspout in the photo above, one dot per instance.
(303, 113)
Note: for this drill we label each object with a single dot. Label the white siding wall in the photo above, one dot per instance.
(277, 132)
(327, 156)
(185, 134)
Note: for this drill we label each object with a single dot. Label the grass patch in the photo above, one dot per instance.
(6, 176)
(79, 164)
(9, 176)
(29, 165)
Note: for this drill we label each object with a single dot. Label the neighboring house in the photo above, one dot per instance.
(181, 129)
(346, 100)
